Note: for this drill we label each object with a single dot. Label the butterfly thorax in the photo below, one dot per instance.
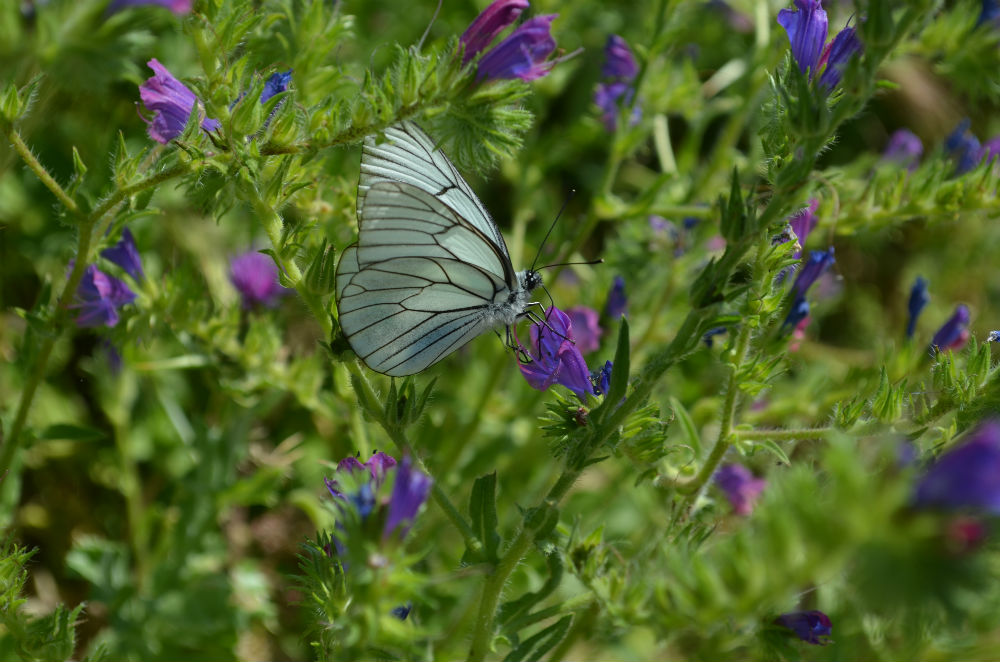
(506, 312)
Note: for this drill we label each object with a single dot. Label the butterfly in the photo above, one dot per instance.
(430, 270)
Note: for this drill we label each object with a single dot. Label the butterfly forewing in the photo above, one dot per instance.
(408, 155)
(419, 282)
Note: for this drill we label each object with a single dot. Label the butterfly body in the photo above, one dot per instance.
(430, 270)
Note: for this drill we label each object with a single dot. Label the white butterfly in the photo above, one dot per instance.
(430, 270)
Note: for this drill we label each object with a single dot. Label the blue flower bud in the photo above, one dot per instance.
(918, 299)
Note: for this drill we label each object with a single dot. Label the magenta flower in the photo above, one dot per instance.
(586, 331)
(555, 359)
(171, 103)
(523, 54)
(955, 332)
(126, 255)
(813, 627)
(99, 296)
(967, 476)
(255, 276)
(739, 486)
(493, 20)
(178, 7)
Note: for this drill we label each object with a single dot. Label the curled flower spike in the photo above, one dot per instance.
(555, 359)
(966, 476)
(954, 333)
(813, 627)
(255, 276)
(171, 103)
(586, 331)
(99, 296)
(523, 54)
(739, 486)
(918, 299)
(126, 255)
(493, 20)
(904, 148)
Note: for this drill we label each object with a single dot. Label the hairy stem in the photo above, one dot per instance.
(36, 167)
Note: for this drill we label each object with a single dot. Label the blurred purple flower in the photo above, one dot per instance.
(601, 379)
(990, 12)
(171, 103)
(817, 263)
(836, 54)
(275, 84)
(796, 314)
(904, 148)
(918, 299)
(661, 225)
(963, 147)
(409, 492)
(555, 359)
(812, 627)
(739, 486)
(178, 7)
(806, 28)
(617, 303)
(523, 54)
(954, 333)
(493, 20)
(967, 476)
(803, 222)
(99, 296)
(617, 89)
(990, 149)
(619, 63)
(586, 331)
(255, 276)
(126, 255)
(711, 333)
(402, 611)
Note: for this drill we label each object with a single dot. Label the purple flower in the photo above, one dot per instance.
(402, 611)
(126, 255)
(904, 148)
(523, 54)
(990, 149)
(617, 303)
(602, 378)
(171, 103)
(990, 12)
(276, 84)
(555, 359)
(796, 314)
(586, 330)
(256, 277)
(836, 55)
(619, 70)
(967, 476)
(806, 30)
(619, 63)
(803, 222)
(812, 627)
(493, 20)
(178, 7)
(661, 225)
(918, 299)
(816, 264)
(954, 332)
(739, 486)
(99, 296)
(409, 492)
(963, 148)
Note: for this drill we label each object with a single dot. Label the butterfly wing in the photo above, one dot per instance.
(420, 282)
(408, 155)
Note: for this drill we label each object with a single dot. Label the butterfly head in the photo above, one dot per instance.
(531, 280)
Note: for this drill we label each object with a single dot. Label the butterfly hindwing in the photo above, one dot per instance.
(419, 282)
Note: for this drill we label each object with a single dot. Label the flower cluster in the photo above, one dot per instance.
(807, 32)
(617, 89)
(523, 54)
(356, 489)
(99, 296)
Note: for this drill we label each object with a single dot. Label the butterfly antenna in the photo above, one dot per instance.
(570, 264)
(569, 197)
(420, 44)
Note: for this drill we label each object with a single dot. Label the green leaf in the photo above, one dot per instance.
(72, 432)
(691, 435)
(483, 512)
(535, 647)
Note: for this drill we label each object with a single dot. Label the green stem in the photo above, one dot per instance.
(273, 226)
(36, 167)
(783, 435)
(141, 185)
